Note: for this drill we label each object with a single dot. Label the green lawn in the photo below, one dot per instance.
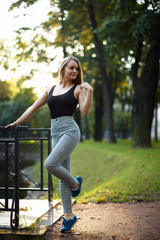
(115, 172)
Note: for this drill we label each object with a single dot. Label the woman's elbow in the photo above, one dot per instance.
(85, 111)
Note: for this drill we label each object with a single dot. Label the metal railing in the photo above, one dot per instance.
(13, 136)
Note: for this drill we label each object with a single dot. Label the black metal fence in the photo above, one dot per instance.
(14, 136)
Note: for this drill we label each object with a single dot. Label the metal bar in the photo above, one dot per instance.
(8, 210)
(25, 139)
(7, 140)
(49, 175)
(17, 178)
(6, 175)
(37, 185)
(38, 129)
(23, 128)
(41, 166)
(3, 205)
(24, 189)
(33, 138)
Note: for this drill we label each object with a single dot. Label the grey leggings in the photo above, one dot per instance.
(65, 137)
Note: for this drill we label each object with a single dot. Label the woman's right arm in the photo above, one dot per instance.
(31, 110)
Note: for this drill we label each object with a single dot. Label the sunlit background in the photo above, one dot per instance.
(11, 21)
(33, 41)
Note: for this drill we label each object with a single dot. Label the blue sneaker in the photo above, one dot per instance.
(76, 192)
(68, 224)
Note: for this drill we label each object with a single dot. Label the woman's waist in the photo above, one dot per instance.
(63, 122)
(62, 119)
(63, 125)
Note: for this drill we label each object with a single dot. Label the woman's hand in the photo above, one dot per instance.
(86, 86)
(11, 125)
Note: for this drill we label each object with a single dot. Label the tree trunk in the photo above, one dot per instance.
(98, 126)
(144, 96)
(156, 123)
(87, 131)
(108, 109)
(77, 117)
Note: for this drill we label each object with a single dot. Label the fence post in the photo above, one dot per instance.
(17, 177)
(41, 168)
(6, 175)
(50, 188)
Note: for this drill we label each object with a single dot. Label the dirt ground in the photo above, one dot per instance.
(110, 221)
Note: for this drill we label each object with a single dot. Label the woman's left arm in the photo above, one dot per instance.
(85, 97)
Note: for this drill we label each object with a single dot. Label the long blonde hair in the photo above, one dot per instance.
(66, 60)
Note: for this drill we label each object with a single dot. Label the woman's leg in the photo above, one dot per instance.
(65, 191)
(66, 136)
(62, 150)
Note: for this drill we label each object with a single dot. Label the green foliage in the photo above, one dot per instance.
(5, 54)
(129, 22)
(25, 3)
(5, 91)
(13, 109)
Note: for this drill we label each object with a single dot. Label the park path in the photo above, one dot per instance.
(112, 221)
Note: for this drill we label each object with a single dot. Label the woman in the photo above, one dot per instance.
(62, 100)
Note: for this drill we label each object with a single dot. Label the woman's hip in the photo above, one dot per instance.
(64, 125)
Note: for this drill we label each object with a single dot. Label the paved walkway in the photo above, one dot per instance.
(30, 211)
(137, 221)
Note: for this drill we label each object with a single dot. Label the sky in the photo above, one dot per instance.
(13, 20)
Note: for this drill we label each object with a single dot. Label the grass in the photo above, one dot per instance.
(115, 172)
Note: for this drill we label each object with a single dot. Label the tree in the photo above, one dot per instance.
(141, 40)
(106, 86)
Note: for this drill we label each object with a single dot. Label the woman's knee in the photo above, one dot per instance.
(49, 167)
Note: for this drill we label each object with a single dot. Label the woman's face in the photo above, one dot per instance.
(70, 71)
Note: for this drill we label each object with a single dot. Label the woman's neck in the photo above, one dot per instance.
(66, 84)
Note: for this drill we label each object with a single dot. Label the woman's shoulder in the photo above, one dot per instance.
(49, 88)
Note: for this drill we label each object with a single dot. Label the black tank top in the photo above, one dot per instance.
(62, 105)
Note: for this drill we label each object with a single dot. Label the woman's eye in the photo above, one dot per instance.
(72, 68)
